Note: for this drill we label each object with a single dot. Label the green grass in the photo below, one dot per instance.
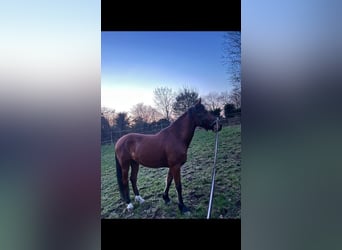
(196, 181)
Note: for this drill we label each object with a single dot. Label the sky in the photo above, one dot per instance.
(133, 64)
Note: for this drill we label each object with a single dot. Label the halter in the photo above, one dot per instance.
(213, 123)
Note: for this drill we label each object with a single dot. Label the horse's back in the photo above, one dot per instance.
(131, 138)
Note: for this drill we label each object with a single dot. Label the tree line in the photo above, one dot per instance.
(169, 105)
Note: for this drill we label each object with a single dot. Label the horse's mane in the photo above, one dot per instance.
(180, 118)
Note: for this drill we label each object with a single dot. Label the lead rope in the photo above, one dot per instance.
(213, 172)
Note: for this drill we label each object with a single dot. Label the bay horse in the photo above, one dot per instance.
(168, 148)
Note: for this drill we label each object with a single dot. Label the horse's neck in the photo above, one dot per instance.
(184, 128)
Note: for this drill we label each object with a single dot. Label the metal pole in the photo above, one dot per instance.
(213, 173)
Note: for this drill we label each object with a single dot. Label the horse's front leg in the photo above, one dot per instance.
(178, 184)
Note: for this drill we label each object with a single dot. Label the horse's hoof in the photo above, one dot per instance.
(166, 199)
(139, 199)
(187, 213)
(183, 209)
(130, 207)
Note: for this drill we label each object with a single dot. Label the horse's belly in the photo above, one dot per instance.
(153, 162)
(150, 154)
(152, 159)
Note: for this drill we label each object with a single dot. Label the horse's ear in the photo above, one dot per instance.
(198, 101)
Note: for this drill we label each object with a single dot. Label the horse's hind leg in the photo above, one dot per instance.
(125, 169)
(134, 178)
(167, 187)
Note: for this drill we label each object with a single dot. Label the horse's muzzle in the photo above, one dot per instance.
(216, 126)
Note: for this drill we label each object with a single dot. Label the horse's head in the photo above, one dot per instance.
(203, 118)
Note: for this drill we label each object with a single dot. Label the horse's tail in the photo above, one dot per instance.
(119, 176)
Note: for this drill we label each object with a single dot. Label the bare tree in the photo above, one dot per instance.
(145, 113)
(232, 55)
(163, 99)
(109, 114)
(215, 100)
(212, 101)
(155, 115)
(232, 58)
(138, 110)
(224, 98)
(235, 97)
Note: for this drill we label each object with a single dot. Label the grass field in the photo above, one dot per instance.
(196, 180)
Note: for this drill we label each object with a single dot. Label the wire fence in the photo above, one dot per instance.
(113, 135)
